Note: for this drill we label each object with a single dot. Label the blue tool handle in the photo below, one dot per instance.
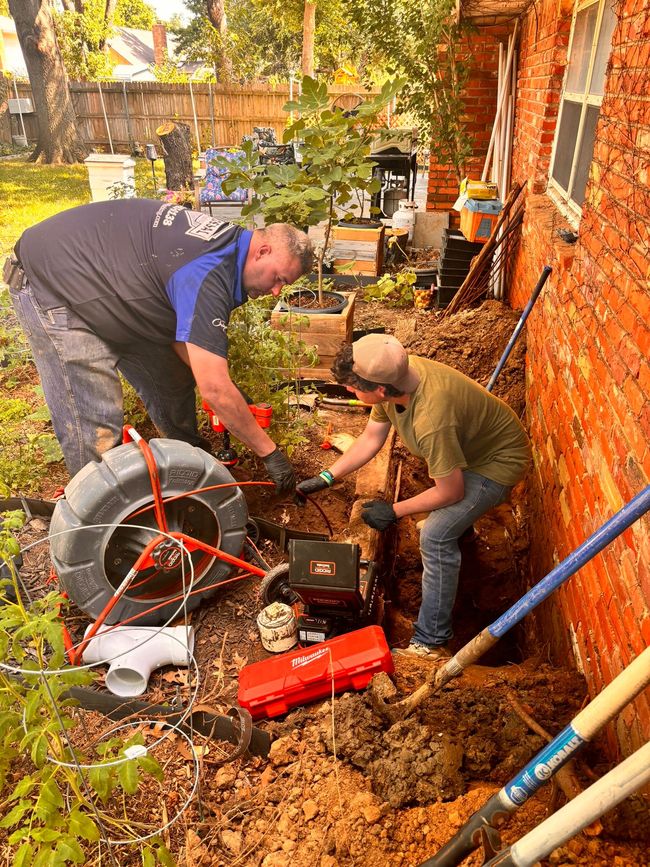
(515, 334)
(624, 518)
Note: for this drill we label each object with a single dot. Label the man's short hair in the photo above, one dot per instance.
(296, 242)
(345, 375)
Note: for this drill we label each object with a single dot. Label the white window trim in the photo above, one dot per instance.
(559, 195)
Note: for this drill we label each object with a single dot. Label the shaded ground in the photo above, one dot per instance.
(342, 786)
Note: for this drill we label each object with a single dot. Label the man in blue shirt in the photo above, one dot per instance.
(146, 289)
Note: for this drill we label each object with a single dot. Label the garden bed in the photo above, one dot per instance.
(341, 786)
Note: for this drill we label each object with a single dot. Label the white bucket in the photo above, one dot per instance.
(404, 217)
(20, 141)
(277, 626)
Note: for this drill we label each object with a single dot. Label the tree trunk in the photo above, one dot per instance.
(109, 14)
(175, 139)
(308, 27)
(58, 138)
(5, 117)
(217, 17)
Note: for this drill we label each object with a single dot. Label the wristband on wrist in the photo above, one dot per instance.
(326, 476)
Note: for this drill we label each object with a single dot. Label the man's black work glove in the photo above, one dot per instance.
(378, 514)
(312, 486)
(281, 472)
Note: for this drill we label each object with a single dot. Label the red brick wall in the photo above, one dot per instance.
(543, 44)
(588, 374)
(480, 107)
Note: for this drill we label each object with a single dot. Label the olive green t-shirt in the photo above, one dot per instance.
(452, 421)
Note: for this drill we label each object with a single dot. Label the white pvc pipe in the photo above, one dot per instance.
(500, 100)
(108, 129)
(610, 790)
(133, 652)
(196, 122)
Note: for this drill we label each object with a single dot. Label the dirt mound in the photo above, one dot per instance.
(473, 341)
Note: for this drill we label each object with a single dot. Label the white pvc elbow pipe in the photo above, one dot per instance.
(133, 652)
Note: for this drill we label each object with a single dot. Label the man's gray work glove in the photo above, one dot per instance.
(281, 472)
(378, 514)
(312, 486)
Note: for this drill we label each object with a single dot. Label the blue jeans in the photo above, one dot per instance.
(441, 555)
(79, 375)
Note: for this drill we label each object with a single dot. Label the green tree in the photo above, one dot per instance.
(335, 174)
(58, 137)
(425, 43)
(83, 37)
(264, 38)
(134, 13)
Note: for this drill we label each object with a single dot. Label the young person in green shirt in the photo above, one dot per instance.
(473, 444)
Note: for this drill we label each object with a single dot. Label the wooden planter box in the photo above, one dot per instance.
(361, 249)
(324, 331)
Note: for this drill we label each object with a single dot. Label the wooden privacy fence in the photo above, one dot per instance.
(123, 116)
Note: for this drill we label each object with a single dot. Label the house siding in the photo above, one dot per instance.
(588, 339)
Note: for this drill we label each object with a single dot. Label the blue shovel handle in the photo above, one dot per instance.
(522, 319)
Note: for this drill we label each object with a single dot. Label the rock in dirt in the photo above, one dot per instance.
(410, 763)
(310, 809)
(283, 751)
(232, 840)
(417, 766)
(277, 859)
(371, 814)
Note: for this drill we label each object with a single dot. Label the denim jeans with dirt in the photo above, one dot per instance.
(79, 375)
(441, 555)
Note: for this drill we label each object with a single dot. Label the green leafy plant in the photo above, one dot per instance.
(143, 188)
(426, 43)
(27, 448)
(46, 802)
(395, 290)
(264, 361)
(335, 172)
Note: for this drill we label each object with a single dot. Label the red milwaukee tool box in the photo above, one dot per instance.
(273, 686)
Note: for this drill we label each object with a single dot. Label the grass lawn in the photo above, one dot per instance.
(32, 192)
(29, 193)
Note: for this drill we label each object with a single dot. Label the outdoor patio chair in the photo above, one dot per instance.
(209, 192)
(277, 155)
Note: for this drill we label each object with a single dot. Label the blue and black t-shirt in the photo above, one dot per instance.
(137, 269)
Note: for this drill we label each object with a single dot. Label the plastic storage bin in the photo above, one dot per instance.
(478, 219)
(273, 686)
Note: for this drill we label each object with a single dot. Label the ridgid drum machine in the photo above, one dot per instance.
(332, 590)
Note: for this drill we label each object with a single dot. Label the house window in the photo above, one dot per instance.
(582, 95)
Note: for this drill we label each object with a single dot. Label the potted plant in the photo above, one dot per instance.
(335, 172)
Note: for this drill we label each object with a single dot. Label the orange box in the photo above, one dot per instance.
(478, 219)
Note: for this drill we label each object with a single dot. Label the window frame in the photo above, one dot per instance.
(584, 99)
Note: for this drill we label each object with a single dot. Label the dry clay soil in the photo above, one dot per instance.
(342, 786)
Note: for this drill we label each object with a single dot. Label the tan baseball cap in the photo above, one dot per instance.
(381, 358)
